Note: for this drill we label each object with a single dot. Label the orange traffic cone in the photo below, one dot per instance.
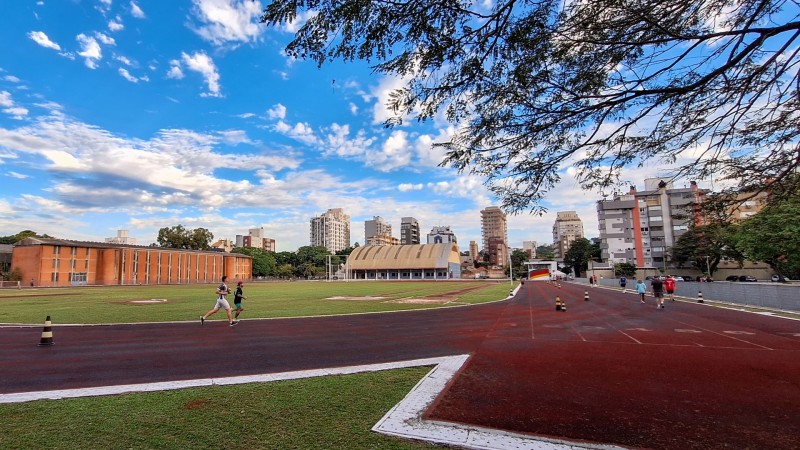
(558, 303)
(47, 333)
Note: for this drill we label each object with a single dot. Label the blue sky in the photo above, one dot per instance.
(140, 115)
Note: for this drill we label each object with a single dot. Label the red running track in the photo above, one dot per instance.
(609, 370)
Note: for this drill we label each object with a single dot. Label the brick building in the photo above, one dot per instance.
(59, 262)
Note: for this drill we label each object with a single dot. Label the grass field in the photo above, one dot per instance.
(335, 412)
(133, 304)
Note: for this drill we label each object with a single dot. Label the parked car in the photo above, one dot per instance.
(733, 278)
(778, 278)
(747, 278)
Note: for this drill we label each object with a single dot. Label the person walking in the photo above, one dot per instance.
(658, 291)
(222, 303)
(623, 282)
(669, 285)
(237, 300)
(641, 289)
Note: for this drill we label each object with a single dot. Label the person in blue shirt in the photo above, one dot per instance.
(623, 282)
(641, 289)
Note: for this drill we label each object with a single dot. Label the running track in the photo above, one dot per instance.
(608, 370)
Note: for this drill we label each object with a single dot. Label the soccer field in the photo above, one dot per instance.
(165, 303)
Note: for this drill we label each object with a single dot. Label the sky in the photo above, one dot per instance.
(140, 115)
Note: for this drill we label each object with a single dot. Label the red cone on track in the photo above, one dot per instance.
(47, 333)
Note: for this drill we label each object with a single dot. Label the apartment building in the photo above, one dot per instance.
(409, 231)
(442, 235)
(641, 226)
(494, 231)
(377, 231)
(566, 229)
(529, 247)
(331, 230)
(256, 238)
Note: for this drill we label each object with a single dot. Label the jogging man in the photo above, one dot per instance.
(222, 291)
(658, 291)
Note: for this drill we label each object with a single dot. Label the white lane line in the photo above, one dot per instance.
(724, 335)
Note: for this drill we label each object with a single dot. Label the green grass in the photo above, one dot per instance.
(334, 412)
(187, 302)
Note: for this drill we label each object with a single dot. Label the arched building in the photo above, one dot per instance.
(404, 262)
(60, 262)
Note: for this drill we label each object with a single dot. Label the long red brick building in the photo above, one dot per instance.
(60, 262)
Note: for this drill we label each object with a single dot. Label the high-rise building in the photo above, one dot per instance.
(640, 227)
(494, 230)
(567, 227)
(377, 230)
(473, 250)
(529, 247)
(256, 238)
(331, 230)
(442, 235)
(122, 238)
(409, 231)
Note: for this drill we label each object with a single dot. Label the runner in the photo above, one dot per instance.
(237, 300)
(669, 285)
(641, 289)
(658, 291)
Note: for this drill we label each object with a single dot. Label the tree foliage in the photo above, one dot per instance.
(773, 236)
(544, 252)
(184, 238)
(264, 264)
(626, 269)
(13, 239)
(707, 87)
(705, 246)
(578, 255)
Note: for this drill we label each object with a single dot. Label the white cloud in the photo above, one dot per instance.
(11, 78)
(277, 112)
(203, 64)
(115, 24)
(136, 11)
(19, 176)
(124, 60)
(125, 74)
(105, 39)
(40, 38)
(353, 109)
(406, 187)
(5, 99)
(302, 132)
(175, 70)
(394, 153)
(11, 108)
(228, 20)
(380, 94)
(90, 50)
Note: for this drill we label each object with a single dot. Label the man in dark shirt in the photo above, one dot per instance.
(658, 291)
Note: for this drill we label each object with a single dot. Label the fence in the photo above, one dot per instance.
(766, 295)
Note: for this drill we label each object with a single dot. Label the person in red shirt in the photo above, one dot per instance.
(669, 285)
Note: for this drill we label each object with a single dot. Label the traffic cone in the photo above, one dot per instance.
(564, 306)
(586, 296)
(47, 333)
(699, 296)
(558, 303)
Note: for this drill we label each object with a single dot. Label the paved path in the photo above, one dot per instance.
(609, 370)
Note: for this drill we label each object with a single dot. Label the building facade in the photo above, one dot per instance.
(641, 226)
(529, 247)
(377, 230)
(404, 262)
(331, 230)
(121, 238)
(61, 263)
(442, 235)
(256, 238)
(494, 231)
(409, 231)
(567, 227)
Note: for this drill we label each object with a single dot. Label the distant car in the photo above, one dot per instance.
(778, 279)
(733, 278)
(747, 278)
